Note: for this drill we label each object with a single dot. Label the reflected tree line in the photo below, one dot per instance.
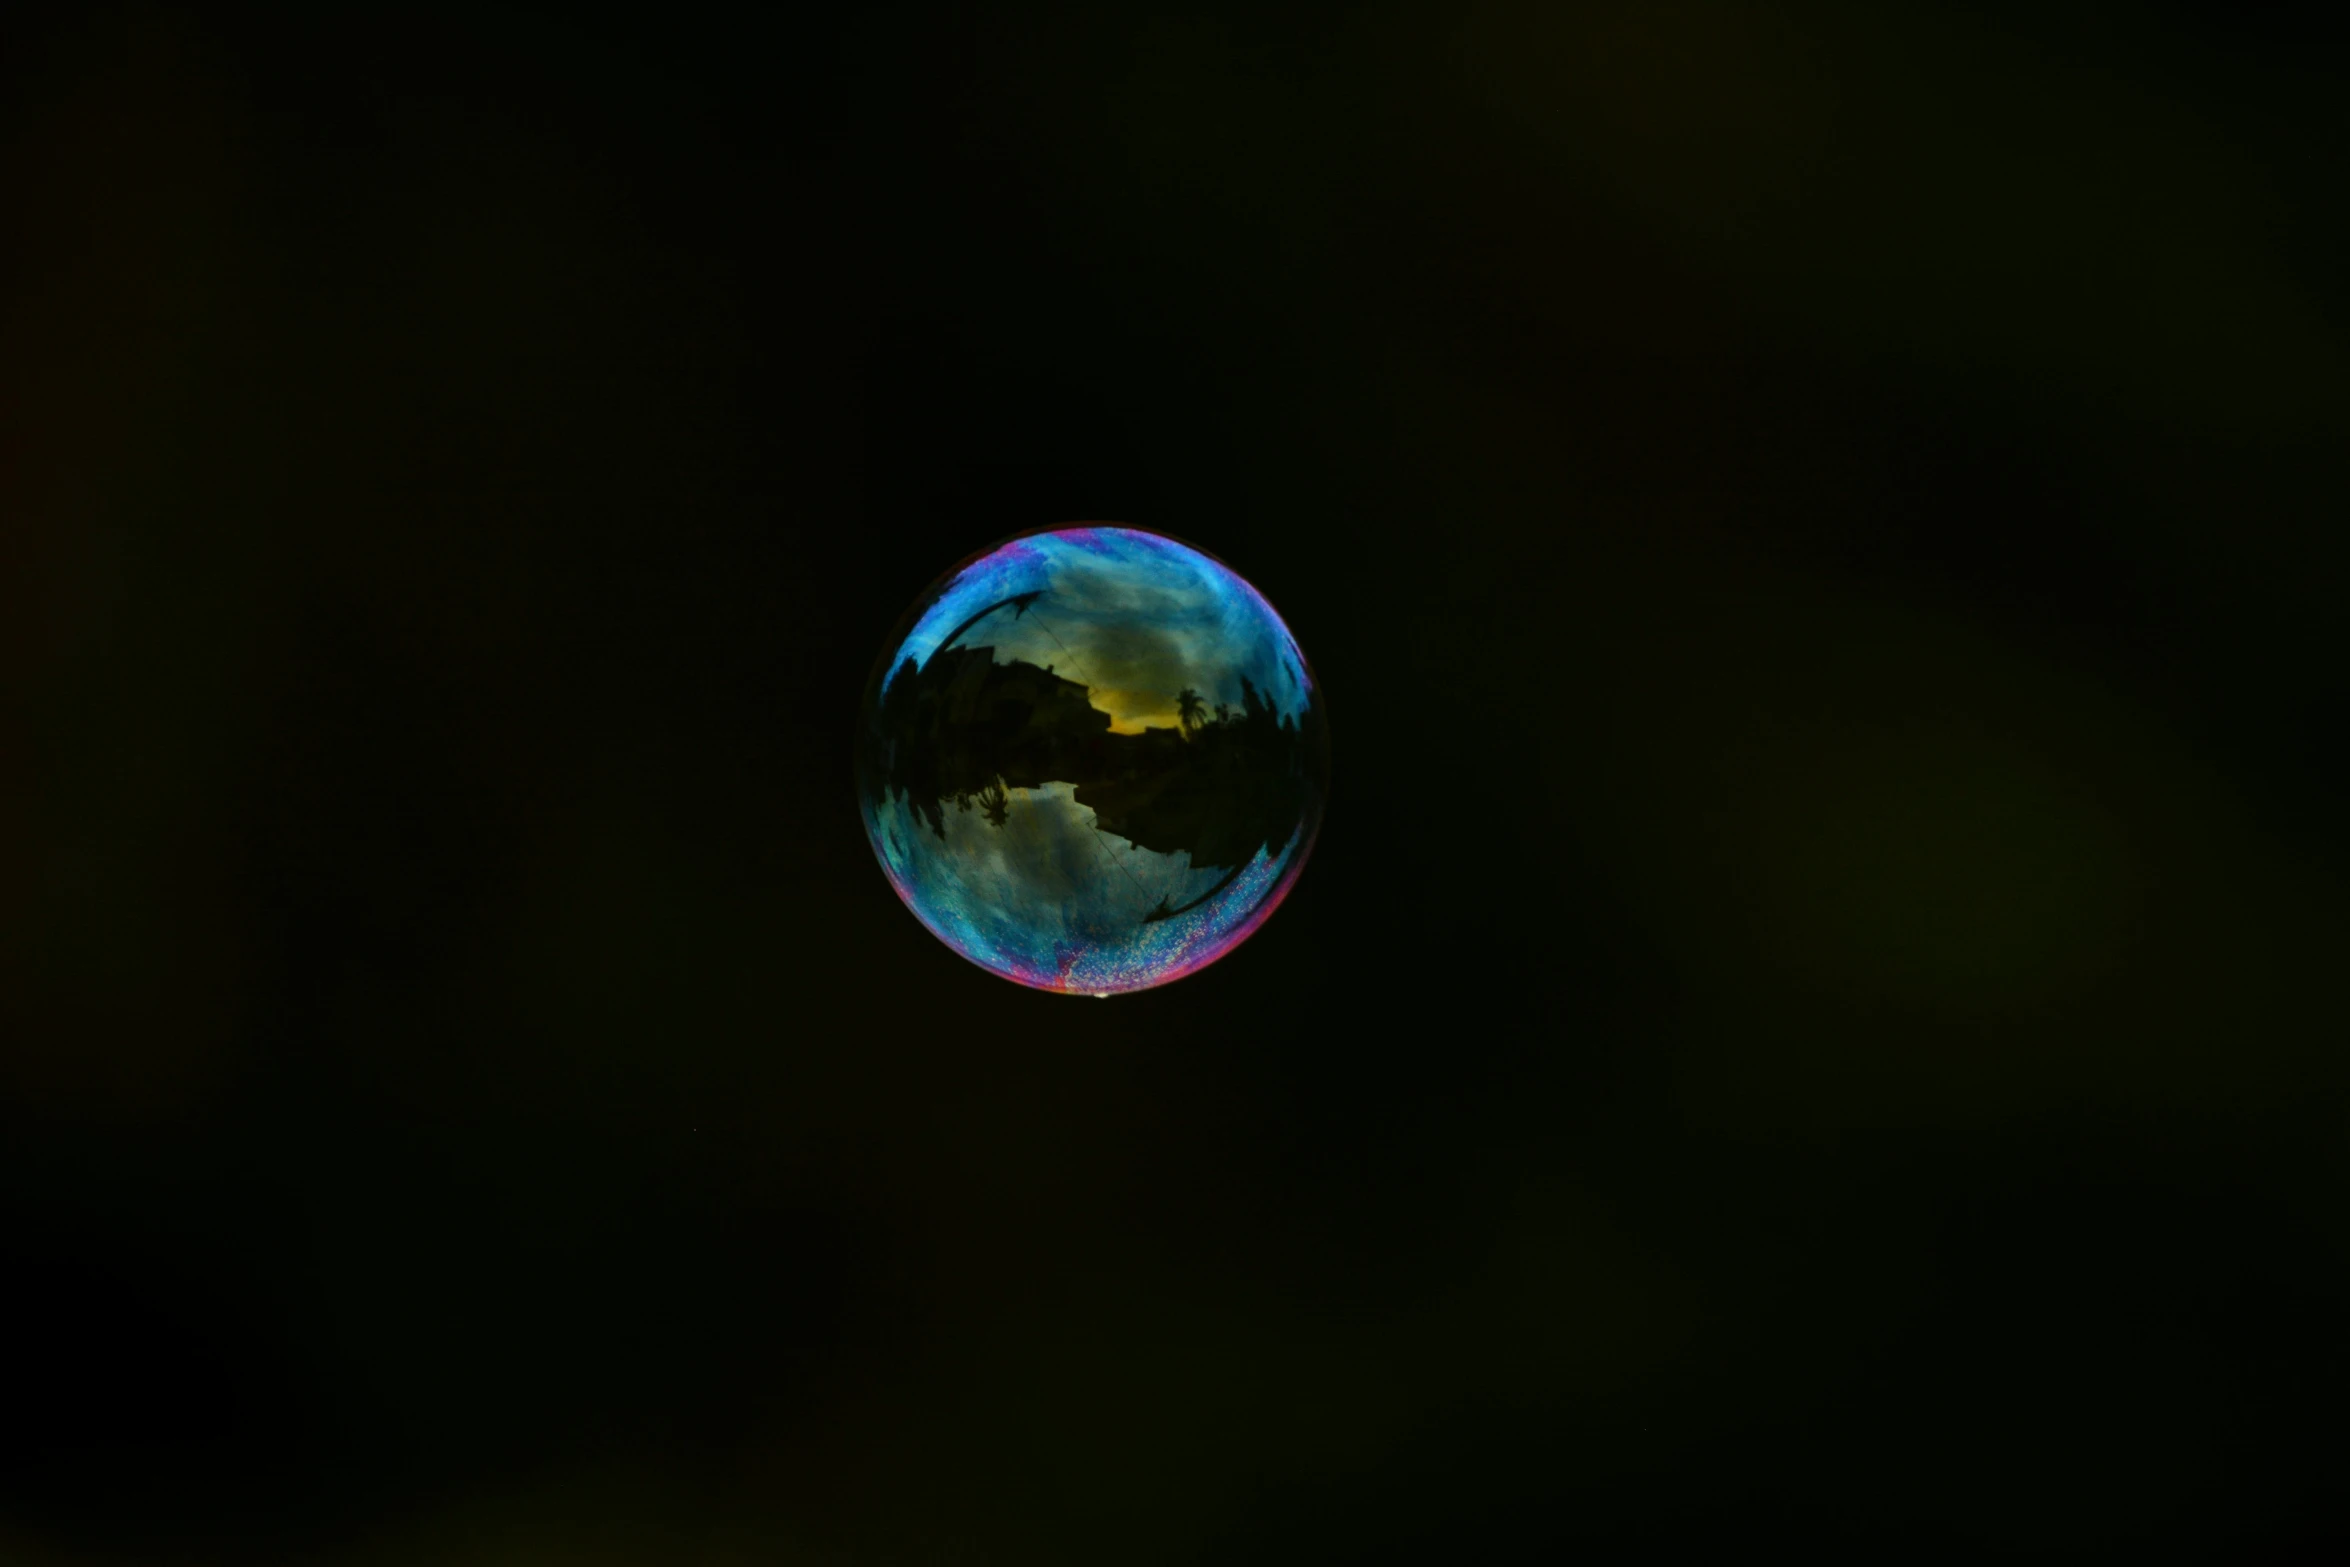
(961, 730)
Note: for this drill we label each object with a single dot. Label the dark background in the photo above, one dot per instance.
(1816, 1016)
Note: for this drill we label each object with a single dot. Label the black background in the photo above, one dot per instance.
(1816, 1014)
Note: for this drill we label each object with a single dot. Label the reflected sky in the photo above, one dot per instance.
(1137, 617)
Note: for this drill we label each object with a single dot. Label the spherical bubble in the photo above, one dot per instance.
(1092, 759)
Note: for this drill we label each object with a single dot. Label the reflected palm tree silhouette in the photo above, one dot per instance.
(1188, 708)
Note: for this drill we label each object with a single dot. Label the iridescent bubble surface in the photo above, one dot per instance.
(1093, 759)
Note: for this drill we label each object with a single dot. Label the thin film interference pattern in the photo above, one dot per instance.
(1031, 906)
(1170, 951)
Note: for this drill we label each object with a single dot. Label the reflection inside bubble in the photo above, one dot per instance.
(1094, 760)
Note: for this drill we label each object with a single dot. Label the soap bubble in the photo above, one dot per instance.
(1092, 759)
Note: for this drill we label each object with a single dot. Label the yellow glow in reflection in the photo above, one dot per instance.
(1131, 712)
